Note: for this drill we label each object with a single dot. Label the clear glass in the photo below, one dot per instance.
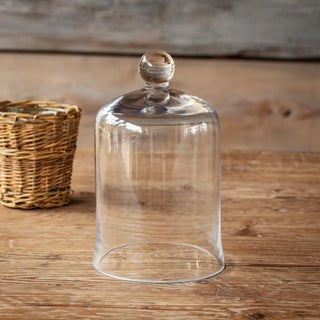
(158, 183)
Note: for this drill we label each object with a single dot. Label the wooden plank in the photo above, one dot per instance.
(266, 29)
(233, 295)
(270, 231)
(262, 105)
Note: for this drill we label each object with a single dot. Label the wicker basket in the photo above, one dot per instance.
(37, 145)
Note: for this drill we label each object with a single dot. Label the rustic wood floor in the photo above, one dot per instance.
(270, 236)
(270, 200)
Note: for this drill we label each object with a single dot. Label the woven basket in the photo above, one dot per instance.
(37, 145)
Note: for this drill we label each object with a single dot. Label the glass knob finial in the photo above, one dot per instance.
(156, 68)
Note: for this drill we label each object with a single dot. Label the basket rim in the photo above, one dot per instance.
(37, 104)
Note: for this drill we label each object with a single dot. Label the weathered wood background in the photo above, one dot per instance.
(248, 28)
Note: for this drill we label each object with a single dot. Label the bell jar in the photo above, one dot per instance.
(158, 182)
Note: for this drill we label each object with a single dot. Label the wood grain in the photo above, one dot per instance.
(270, 234)
(262, 105)
(267, 29)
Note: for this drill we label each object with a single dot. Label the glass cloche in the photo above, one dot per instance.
(158, 182)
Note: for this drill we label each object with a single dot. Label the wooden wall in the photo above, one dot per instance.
(287, 29)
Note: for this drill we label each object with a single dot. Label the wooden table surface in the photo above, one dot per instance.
(270, 234)
(262, 105)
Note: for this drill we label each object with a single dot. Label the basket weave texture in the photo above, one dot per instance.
(37, 146)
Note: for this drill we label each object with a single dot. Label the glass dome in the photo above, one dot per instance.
(158, 182)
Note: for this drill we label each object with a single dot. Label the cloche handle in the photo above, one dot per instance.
(156, 68)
